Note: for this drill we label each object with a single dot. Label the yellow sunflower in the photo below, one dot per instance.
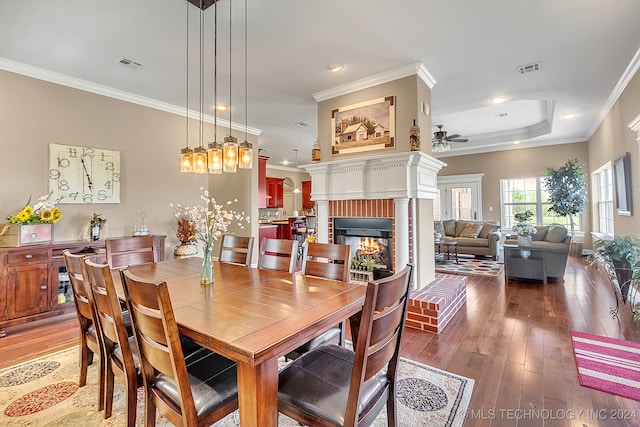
(46, 215)
(56, 214)
(24, 214)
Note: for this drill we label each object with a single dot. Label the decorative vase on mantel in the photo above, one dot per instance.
(206, 274)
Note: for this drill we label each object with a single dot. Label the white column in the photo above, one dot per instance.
(322, 212)
(401, 232)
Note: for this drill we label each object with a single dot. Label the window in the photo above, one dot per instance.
(521, 194)
(604, 199)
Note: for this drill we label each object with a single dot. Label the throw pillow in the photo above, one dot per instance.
(541, 234)
(449, 227)
(460, 225)
(486, 229)
(556, 234)
(472, 229)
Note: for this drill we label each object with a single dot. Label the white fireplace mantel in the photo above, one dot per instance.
(391, 176)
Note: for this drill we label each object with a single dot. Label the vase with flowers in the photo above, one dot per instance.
(32, 224)
(209, 221)
(524, 230)
(186, 234)
(96, 221)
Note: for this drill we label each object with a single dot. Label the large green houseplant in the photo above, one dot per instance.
(623, 254)
(567, 188)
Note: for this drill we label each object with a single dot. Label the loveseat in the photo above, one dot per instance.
(473, 237)
(556, 243)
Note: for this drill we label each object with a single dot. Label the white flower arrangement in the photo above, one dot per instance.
(522, 227)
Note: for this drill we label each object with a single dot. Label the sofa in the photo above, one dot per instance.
(556, 242)
(473, 237)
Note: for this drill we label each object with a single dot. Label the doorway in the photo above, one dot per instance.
(459, 197)
(288, 205)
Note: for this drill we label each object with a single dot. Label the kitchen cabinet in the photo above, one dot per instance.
(268, 231)
(262, 181)
(275, 192)
(306, 195)
(34, 284)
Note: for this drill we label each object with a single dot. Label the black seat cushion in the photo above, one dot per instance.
(318, 383)
(323, 338)
(213, 381)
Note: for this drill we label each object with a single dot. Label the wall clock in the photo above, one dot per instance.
(84, 174)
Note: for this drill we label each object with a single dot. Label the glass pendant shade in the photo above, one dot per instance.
(200, 160)
(230, 152)
(214, 155)
(245, 161)
(186, 160)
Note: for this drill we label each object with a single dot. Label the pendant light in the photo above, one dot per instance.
(230, 146)
(245, 159)
(200, 153)
(214, 153)
(186, 154)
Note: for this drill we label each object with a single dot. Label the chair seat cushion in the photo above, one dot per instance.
(318, 384)
(213, 381)
(324, 338)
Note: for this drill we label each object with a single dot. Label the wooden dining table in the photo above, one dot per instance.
(253, 317)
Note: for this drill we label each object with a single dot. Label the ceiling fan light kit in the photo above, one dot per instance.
(441, 142)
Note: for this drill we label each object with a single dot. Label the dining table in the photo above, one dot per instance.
(253, 317)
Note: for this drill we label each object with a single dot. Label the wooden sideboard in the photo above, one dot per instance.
(34, 284)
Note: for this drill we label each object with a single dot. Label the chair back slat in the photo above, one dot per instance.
(131, 251)
(326, 260)
(236, 249)
(278, 254)
(75, 269)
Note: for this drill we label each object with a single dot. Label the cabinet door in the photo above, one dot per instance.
(262, 182)
(27, 289)
(60, 292)
(306, 195)
(3, 286)
(275, 192)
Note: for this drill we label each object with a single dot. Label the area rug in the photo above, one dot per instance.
(45, 392)
(471, 266)
(608, 364)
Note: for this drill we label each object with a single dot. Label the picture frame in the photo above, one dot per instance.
(368, 125)
(622, 177)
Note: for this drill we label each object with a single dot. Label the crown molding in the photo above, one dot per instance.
(98, 89)
(416, 68)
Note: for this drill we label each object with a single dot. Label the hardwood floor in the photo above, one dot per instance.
(512, 340)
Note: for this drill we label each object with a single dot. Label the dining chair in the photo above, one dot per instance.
(236, 249)
(90, 336)
(330, 261)
(194, 391)
(127, 251)
(278, 254)
(333, 385)
(121, 354)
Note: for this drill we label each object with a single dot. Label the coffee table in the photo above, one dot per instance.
(445, 249)
(517, 264)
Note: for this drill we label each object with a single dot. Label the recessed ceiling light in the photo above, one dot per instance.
(498, 100)
(516, 142)
(221, 107)
(285, 162)
(334, 67)
(570, 116)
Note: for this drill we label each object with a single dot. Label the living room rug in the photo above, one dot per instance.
(470, 266)
(44, 392)
(608, 364)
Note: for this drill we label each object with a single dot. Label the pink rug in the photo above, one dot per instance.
(608, 364)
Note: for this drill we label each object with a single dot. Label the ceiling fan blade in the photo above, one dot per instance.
(450, 137)
(458, 140)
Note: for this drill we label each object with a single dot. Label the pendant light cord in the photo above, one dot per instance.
(246, 103)
(230, 121)
(215, 72)
(186, 114)
(201, 116)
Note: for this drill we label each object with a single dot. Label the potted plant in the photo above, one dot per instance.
(96, 221)
(623, 253)
(567, 188)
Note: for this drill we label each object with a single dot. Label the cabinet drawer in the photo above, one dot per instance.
(21, 257)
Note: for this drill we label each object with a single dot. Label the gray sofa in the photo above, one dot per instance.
(556, 243)
(473, 237)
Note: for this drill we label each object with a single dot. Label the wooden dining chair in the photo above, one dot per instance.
(128, 251)
(236, 249)
(278, 254)
(90, 336)
(336, 386)
(330, 261)
(121, 354)
(194, 391)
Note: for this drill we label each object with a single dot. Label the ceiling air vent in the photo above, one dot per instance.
(303, 124)
(128, 63)
(529, 68)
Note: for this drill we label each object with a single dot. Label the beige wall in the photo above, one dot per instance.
(611, 140)
(35, 113)
(519, 163)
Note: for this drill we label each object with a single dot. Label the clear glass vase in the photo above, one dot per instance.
(524, 240)
(206, 274)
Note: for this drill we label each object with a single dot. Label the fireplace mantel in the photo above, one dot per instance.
(390, 176)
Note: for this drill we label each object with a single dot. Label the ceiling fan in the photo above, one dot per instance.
(440, 141)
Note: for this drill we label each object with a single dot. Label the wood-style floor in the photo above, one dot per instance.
(512, 340)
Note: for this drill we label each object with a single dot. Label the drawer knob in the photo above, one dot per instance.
(28, 256)
(43, 287)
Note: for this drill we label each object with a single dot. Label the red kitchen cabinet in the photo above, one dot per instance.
(306, 195)
(275, 192)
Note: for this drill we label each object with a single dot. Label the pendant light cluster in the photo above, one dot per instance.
(217, 157)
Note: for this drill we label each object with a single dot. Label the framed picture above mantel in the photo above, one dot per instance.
(368, 125)
(622, 175)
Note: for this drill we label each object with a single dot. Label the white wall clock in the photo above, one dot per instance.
(84, 174)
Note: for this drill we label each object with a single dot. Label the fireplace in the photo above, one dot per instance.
(369, 238)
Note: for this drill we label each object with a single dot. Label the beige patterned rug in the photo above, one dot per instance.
(44, 392)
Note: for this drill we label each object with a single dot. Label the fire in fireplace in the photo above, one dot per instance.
(369, 238)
